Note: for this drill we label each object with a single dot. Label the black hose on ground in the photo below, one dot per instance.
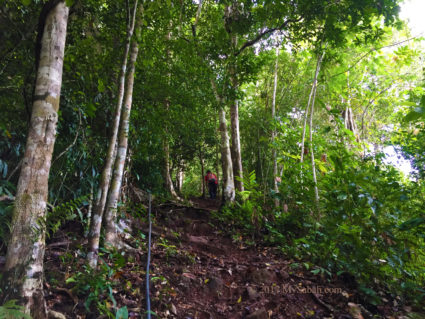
(148, 299)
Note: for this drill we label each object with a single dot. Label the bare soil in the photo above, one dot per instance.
(201, 271)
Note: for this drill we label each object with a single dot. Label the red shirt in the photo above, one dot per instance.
(211, 176)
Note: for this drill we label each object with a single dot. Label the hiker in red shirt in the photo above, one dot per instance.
(211, 180)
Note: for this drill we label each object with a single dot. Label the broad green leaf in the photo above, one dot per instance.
(412, 223)
(122, 313)
(417, 113)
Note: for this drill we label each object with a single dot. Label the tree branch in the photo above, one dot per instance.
(370, 51)
(264, 33)
(73, 142)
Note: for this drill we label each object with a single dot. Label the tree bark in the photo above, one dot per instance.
(217, 162)
(349, 122)
(201, 161)
(310, 99)
(226, 158)
(99, 207)
(180, 177)
(313, 165)
(168, 182)
(236, 146)
(234, 124)
(23, 271)
(274, 155)
(114, 191)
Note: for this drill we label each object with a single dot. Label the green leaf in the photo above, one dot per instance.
(26, 2)
(11, 310)
(91, 110)
(69, 3)
(412, 223)
(122, 313)
(100, 85)
(417, 113)
(315, 271)
(342, 197)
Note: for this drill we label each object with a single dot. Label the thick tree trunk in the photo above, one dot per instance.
(274, 155)
(226, 158)
(99, 207)
(227, 167)
(23, 271)
(114, 191)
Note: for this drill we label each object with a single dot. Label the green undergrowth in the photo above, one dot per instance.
(369, 224)
(10, 310)
(96, 286)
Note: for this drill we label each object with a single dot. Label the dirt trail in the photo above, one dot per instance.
(200, 271)
(215, 276)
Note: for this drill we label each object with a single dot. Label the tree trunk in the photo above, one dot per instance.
(236, 146)
(227, 167)
(349, 122)
(201, 160)
(23, 271)
(99, 207)
(234, 123)
(274, 155)
(114, 192)
(226, 159)
(310, 99)
(313, 165)
(168, 182)
(180, 177)
(217, 164)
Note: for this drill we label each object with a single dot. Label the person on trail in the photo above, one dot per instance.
(211, 180)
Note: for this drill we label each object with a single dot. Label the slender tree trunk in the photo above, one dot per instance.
(274, 155)
(99, 206)
(23, 271)
(168, 182)
(114, 191)
(198, 14)
(217, 162)
(313, 165)
(226, 159)
(89, 210)
(180, 177)
(307, 109)
(349, 122)
(201, 161)
(236, 146)
(234, 124)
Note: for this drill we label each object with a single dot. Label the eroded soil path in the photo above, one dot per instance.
(201, 271)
